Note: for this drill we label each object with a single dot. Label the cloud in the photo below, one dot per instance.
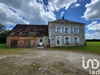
(76, 5)
(95, 28)
(8, 17)
(30, 11)
(92, 10)
(62, 13)
(55, 5)
(8, 28)
(95, 35)
(34, 12)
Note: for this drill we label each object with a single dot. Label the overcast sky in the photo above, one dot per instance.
(14, 12)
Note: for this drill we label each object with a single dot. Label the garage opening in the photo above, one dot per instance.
(14, 43)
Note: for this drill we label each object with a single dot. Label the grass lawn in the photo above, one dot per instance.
(4, 50)
(92, 47)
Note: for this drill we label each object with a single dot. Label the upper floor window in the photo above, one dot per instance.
(67, 30)
(75, 30)
(58, 30)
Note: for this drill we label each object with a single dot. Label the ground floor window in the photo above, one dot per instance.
(66, 40)
(76, 40)
(58, 41)
(45, 39)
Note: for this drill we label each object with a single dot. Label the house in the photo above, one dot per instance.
(60, 32)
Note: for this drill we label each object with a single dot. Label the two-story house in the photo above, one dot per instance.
(63, 32)
(60, 32)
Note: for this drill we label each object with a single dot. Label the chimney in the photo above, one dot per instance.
(63, 17)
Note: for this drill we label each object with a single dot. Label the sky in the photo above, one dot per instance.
(39, 12)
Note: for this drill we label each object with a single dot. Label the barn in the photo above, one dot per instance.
(28, 36)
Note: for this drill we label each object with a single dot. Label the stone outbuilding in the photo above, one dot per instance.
(28, 36)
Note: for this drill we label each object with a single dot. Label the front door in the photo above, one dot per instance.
(26, 43)
(31, 43)
(41, 41)
(58, 41)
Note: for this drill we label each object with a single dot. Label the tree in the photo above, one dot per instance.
(2, 28)
(3, 33)
(3, 36)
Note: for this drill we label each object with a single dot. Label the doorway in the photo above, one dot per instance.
(32, 43)
(40, 41)
(14, 43)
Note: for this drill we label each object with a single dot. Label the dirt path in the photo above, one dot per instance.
(44, 62)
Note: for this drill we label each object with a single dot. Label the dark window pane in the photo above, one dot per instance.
(40, 40)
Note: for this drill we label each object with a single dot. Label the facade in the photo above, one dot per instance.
(66, 33)
(60, 32)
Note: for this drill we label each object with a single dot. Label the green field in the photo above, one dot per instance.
(92, 47)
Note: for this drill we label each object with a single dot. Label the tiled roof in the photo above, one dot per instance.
(29, 30)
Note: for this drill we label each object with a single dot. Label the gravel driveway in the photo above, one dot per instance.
(44, 62)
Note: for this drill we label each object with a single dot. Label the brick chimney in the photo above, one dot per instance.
(63, 17)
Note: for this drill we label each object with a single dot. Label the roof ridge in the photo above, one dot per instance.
(66, 21)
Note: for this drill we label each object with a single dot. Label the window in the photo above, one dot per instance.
(75, 30)
(66, 40)
(76, 40)
(58, 40)
(40, 40)
(45, 39)
(58, 30)
(67, 30)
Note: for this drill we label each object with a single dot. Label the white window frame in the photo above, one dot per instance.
(58, 27)
(77, 29)
(69, 40)
(60, 40)
(68, 31)
(77, 38)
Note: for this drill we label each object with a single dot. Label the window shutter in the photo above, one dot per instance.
(78, 40)
(69, 40)
(64, 40)
(56, 29)
(78, 30)
(73, 30)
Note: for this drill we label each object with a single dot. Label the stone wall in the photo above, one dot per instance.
(45, 41)
(53, 35)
